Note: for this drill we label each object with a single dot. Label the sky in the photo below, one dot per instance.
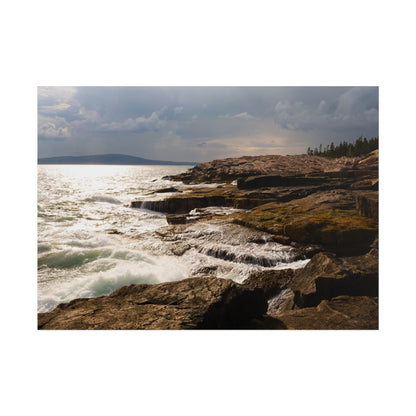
(198, 124)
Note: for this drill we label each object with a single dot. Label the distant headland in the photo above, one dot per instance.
(109, 159)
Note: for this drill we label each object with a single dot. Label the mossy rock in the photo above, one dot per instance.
(308, 222)
(331, 231)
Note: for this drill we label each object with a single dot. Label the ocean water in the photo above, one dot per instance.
(90, 242)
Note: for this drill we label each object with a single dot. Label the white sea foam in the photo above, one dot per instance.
(90, 242)
(104, 282)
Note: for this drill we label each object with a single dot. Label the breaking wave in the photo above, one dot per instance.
(89, 246)
(104, 276)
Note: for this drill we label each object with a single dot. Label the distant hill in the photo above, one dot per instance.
(111, 159)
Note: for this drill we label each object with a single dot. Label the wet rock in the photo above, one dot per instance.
(200, 214)
(327, 276)
(204, 303)
(284, 301)
(166, 190)
(270, 281)
(203, 198)
(342, 312)
(113, 231)
(180, 249)
(223, 240)
(209, 212)
(181, 205)
(247, 256)
(176, 218)
(205, 271)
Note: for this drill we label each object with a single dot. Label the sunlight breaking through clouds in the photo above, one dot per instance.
(201, 123)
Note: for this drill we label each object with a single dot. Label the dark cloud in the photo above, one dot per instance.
(138, 124)
(201, 123)
(354, 108)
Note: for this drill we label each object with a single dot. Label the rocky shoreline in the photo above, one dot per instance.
(325, 209)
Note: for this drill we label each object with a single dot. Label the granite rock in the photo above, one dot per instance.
(193, 303)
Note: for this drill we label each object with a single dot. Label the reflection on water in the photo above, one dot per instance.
(90, 242)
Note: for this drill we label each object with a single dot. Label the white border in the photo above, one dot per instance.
(217, 43)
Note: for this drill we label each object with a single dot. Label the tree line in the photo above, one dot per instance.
(361, 147)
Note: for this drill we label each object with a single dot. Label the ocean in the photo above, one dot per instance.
(91, 242)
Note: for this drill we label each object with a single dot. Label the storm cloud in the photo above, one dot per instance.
(201, 123)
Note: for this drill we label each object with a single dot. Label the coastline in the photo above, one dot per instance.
(327, 209)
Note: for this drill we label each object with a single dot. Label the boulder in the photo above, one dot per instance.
(342, 312)
(270, 281)
(327, 276)
(205, 303)
(179, 249)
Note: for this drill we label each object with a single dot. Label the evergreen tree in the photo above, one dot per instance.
(331, 150)
(361, 147)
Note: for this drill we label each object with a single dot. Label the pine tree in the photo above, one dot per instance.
(360, 147)
(332, 150)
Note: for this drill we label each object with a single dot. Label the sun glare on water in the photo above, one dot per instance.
(92, 171)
